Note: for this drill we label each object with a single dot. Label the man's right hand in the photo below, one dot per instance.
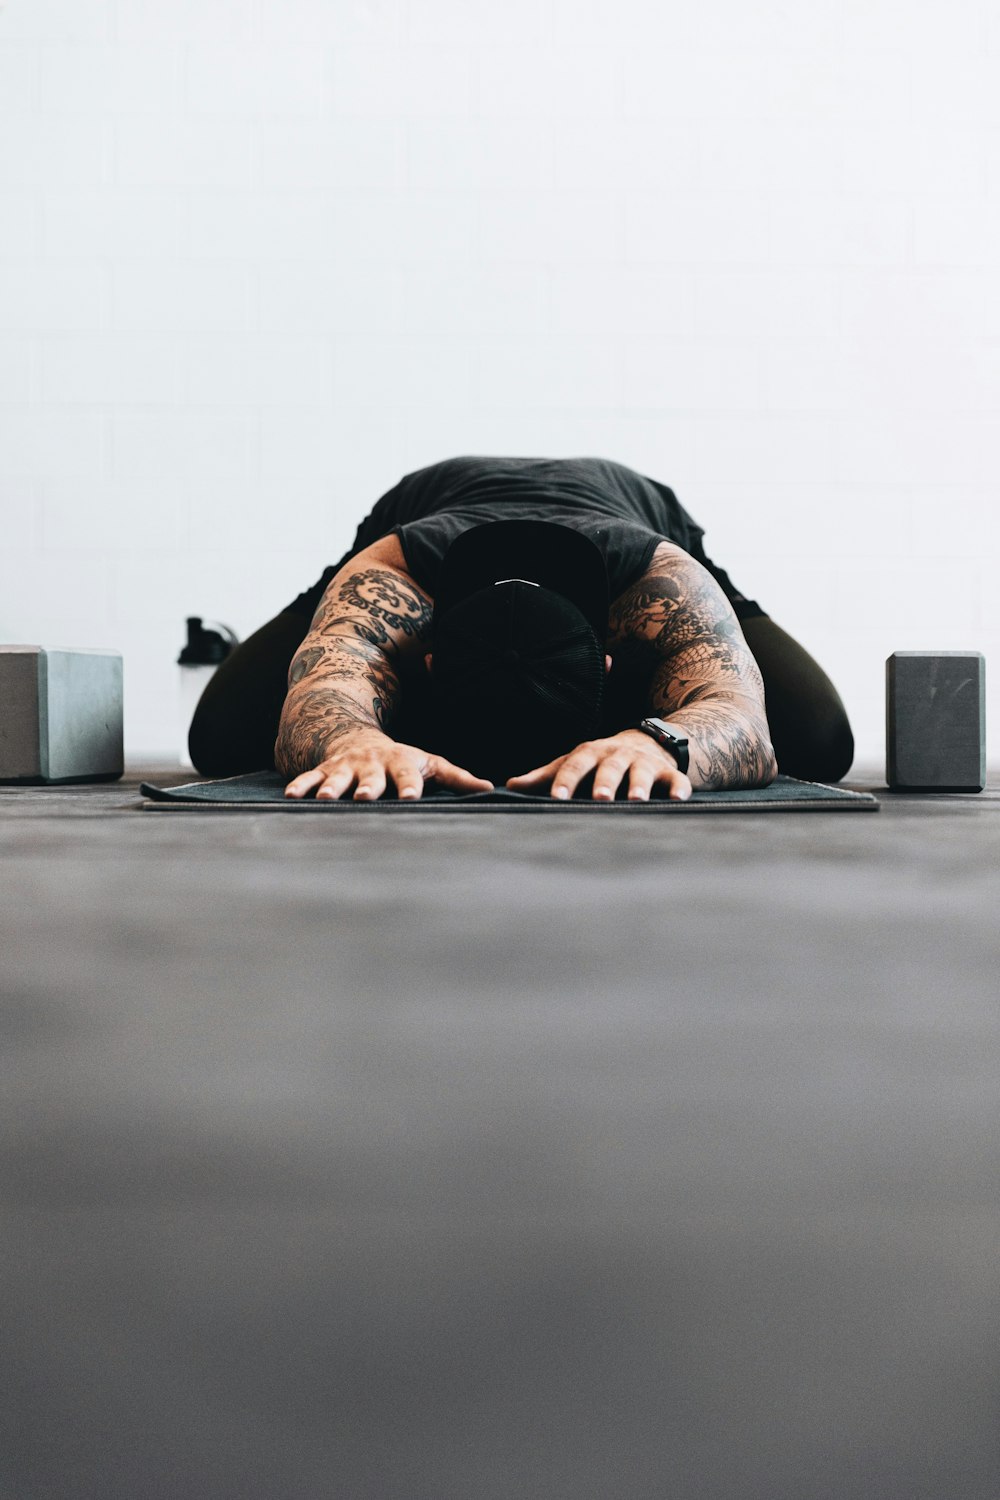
(370, 760)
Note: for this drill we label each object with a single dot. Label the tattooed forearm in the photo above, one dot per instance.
(345, 679)
(677, 624)
(343, 657)
(334, 690)
(304, 661)
(730, 742)
(313, 726)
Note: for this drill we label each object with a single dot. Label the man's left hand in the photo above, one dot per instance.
(630, 755)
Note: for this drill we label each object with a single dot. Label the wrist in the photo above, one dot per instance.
(671, 738)
(303, 743)
(349, 734)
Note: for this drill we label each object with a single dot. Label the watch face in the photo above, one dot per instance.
(663, 734)
(665, 730)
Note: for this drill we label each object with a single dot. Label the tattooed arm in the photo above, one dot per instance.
(344, 686)
(677, 622)
(345, 674)
(676, 629)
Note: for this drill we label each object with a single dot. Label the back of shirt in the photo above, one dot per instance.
(623, 512)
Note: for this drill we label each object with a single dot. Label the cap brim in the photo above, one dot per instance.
(543, 552)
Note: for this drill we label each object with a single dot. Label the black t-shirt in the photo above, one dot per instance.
(623, 512)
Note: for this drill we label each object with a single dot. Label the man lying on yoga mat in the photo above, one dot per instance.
(516, 620)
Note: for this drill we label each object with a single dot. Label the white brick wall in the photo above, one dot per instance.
(260, 257)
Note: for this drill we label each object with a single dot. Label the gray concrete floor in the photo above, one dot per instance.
(460, 1158)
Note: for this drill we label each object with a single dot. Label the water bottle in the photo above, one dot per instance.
(199, 658)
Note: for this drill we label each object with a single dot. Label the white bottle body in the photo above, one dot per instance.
(193, 681)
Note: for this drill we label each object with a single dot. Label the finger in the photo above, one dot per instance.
(448, 774)
(677, 784)
(572, 771)
(300, 786)
(608, 777)
(539, 774)
(371, 784)
(335, 783)
(407, 774)
(640, 781)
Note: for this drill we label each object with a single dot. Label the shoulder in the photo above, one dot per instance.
(371, 576)
(675, 601)
(669, 556)
(667, 561)
(373, 596)
(387, 552)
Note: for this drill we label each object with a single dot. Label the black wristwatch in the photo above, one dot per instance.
(664, 734)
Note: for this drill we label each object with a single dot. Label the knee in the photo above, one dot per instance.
(235, 723)
(232, 738)
(214, 740)
(818, 746)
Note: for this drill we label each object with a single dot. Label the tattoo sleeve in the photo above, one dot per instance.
(678, 627)
(345, 676)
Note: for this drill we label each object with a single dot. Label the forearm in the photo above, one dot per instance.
(344, 679)
(333, 698)
(703, 676)
(728, 741)
(337, 687)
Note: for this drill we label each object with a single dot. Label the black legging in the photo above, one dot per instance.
(236, 721)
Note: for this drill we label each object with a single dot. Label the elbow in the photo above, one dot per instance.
(758, 762)
(768, 761)
(284, 752)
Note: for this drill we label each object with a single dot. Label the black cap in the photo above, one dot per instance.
(541, 552)
(520, 619)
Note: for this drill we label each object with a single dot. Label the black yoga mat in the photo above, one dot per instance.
(263, 791)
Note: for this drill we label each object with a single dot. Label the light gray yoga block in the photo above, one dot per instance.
(935, 721)
(60, 715)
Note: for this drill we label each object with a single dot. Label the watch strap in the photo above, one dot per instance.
(664, 734)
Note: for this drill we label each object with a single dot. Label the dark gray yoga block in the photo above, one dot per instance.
(935, 721)
(60, 715)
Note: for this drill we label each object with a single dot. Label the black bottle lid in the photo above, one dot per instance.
(206, 648)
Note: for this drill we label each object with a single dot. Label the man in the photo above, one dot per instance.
(521, 621)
